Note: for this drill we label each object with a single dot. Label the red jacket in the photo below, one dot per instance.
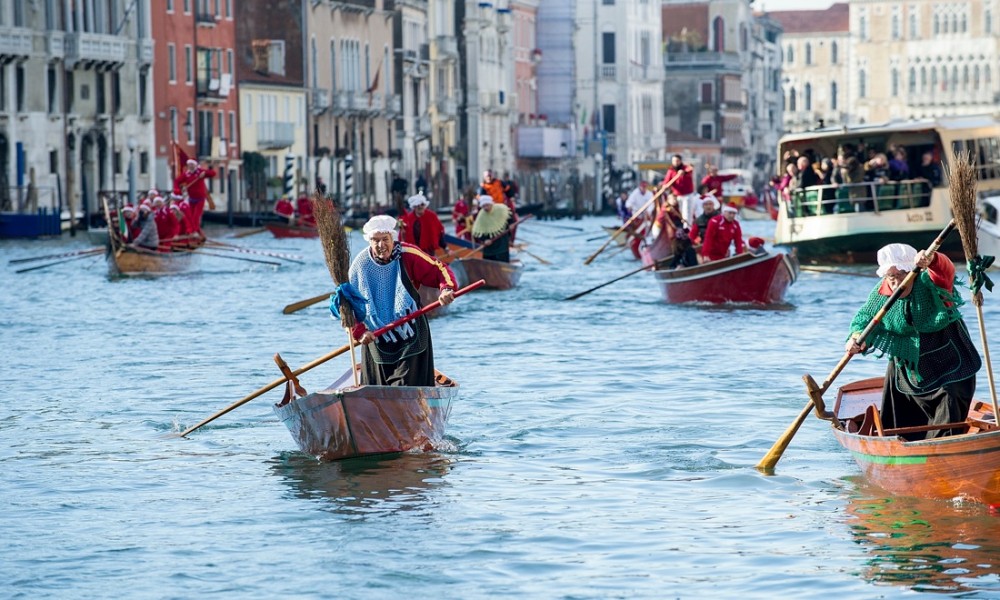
(194, 182)
(684, 184)
(284, 208)
(714, 183)
(719, 234)
(422, 270)
(431, 230)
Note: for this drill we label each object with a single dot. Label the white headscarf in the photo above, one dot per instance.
(380, 224)
(901, 256)
(485, 199)
(417, 200)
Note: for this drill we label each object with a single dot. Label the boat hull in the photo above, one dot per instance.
(284, 230)
(498, 275)
(128, 261)
(340, 422)
(744, 278)
(659, 250)
(966, 465)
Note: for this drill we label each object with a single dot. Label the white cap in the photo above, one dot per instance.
(416, 200)
(485, 199)
(901, 256)
(380, 224)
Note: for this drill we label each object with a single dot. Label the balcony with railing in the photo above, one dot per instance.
(15, 44)
(609, 71)
(319, 100)
(393, 106)
(703, 60)
(447, 108)
(55, 45)
(144, 51)
(212, 86)
(272, 135)
(423, 126)
(645, 73)
(96, 50)
(204, 18)
(447, 47)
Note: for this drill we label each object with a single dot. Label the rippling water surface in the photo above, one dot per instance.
(601, 448)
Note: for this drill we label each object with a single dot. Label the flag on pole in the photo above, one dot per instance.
(180, 158)
(374, 86)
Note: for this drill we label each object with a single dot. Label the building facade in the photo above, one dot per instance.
(194, 94)
(75, 103)
(445, 98)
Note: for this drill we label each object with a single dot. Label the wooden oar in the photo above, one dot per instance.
(521, 248)
(637, 214)
(244, 234)
(253, 260)
(52, 264)
(658, 263)
(816, 391)
(233, 248)
(297, 306)
(835, 271)
(513, 226)
(329, 356)
(61, 255)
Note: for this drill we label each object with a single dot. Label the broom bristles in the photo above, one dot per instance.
(335, 249)
(962, 185)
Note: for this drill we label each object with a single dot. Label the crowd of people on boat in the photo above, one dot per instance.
(168, 221)
(854, 179)
(299, 214)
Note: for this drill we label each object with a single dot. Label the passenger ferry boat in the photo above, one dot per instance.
(850, 222)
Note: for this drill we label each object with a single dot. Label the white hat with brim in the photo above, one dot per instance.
(901, 256)
(380, 224)
(417, 200)
(485, 199)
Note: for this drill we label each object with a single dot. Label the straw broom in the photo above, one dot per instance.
(962, 188)
(338, 260)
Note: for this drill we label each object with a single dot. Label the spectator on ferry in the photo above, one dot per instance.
(877, 169)
(825, 171)
(899, 167)
(851, 169)
(930, 171)
(806, 176)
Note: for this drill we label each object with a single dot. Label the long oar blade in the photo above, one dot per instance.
(244, 234)
(60, 255)
(660, 262)
(297, 306)
(52, 264)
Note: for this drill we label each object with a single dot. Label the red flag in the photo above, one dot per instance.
(374, 86)
(180, 160)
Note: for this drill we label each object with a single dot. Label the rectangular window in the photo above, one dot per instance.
(143, 82)
(232, 128)
(170, 6)
(69, 95)
(229, 62)
(187, 7)
(53, 95)
(188, 66)
(143, 163)
(171, 63)
(247, 109)
(222, 128)
(117, 162)
(116, 93)
(229, 9)
(19, 91)
(54, 161)
(707, 92)
(707, 131)
(608, 48)
(608, 117)
(173, 125)
(189, 126)
(100, 94)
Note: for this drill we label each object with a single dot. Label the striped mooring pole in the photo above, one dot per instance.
(289, 175)
(348, 181)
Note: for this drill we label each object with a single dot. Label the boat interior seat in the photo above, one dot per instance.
(887, 196)
(981, 417)
(871, 423)
(442, 380)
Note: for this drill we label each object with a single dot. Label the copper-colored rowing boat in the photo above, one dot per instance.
(343, 421)
(498, 275)
(284, 230)
(757, 278)
(966, 465)
(131, 261)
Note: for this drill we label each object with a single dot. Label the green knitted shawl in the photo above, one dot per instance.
(897, 337)
(490, 223)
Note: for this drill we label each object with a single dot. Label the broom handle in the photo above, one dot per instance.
(989, 366)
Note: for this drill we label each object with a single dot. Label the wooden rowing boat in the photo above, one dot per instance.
(966, 465)
(284, 230)
(758, 278)
(132, 261)
(345, 422)
(497, 274)
(658, 250)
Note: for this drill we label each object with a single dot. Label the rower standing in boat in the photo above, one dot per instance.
(492, 226)
(387, 275)
(422, 227)
(722, 232)
(931, 377)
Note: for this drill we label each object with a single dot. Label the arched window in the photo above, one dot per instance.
(894, 82)
(863, 27)
(790, 54)
(833, 95)
(937, 24)
(934, 82)
(913, 81)
(862, 84)
(896, 34)
(913, 24)
(923, 79)
(987, 76)
(744, 44)
(809, 53)
(944, 78)
(719, 33)
(791, 100)
(965, 77)
(988, 21)
(833, 53)
(975, 77)
(809, 96)
(964, 24)
(954, 78)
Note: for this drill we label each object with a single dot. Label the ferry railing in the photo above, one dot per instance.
(870, 196)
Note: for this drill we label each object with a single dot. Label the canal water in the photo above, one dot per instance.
(601, 448)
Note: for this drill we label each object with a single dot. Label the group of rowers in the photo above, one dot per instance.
(300, 214)
(695, 225)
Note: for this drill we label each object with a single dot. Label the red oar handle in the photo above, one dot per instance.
(426, 309)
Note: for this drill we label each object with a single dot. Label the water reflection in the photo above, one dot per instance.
(362, 486)
(925, 545)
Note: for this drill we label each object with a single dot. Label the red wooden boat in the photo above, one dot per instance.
(758, 278)
(658, 250)
(498, 275)
(966, 465)
(284, 230)
(344, 421)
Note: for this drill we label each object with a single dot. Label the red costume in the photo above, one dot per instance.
(305, 209)
(685, 183)
(714, 183)
(459, 215)
(165, 226)
(284, 208)
(194, 183)
(426, 231)
(719, 234)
